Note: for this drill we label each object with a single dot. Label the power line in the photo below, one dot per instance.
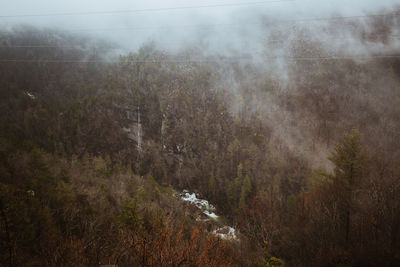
(40, 46)
(361, 57)
(231, 59)
(168, 27)
(144, 10)
(271, 41)
(342, 17)
(280, 40)
(114, 61)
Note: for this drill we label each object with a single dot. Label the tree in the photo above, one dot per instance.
(211, 185)
(246, 187)
(349, 159)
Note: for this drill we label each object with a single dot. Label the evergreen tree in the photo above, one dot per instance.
(349, 159)
(246, 187)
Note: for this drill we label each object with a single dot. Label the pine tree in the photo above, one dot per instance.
(349, 159)
(246, 187)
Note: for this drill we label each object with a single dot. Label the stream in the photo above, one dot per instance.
(224, 232)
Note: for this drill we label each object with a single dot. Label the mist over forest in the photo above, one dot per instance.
(199, 133)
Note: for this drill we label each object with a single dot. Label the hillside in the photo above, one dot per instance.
(96, 149)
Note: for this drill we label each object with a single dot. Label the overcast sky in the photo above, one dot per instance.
(175, 27)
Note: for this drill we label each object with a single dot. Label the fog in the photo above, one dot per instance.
(225, 27)
(265, 32)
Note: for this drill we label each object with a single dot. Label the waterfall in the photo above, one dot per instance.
(139, 132)
(163, 123)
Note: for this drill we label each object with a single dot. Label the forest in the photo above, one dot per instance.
(300, 154)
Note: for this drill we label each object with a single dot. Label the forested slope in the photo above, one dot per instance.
(305, 167)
